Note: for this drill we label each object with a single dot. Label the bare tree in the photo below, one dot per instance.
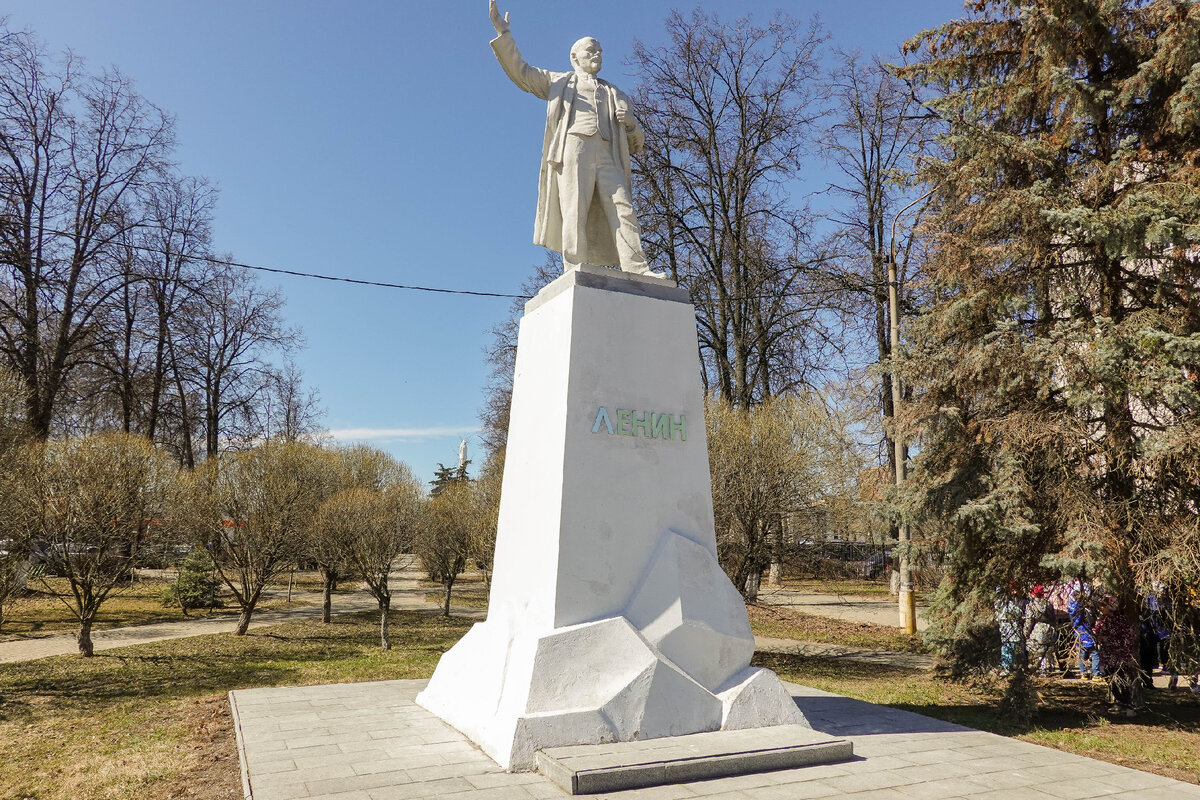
(225, 345)
(728, 110)
(251, 509)
(97, 501)
(14, 466)
(74, 149)
(289, 410)
(878, 134)
(374, 526)
(328, 542)
(777, 459)
(444, 541)
(172, 268)
(117, 374)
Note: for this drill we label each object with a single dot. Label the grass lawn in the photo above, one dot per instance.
(152, 721)
(311, 581)
(848, 587)
(780, 622)
(855, 587)
(41, 613)
(1165, 740)
(469, 591)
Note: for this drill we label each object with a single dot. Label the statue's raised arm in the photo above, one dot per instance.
(527, 78)
(585, 197)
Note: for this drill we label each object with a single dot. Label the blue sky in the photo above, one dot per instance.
(380, 140)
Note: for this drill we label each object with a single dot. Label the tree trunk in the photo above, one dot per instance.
(449, 584)
(1019, 702)
(185, 422)
(327, 597)
(212, 420)
(159, 373)
(244, 619)
(776, 574)
(385, 604)
(84, 638)
(752, 583)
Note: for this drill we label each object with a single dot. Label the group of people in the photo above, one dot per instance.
(1045, 623)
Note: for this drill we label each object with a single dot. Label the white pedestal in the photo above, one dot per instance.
(609, 617)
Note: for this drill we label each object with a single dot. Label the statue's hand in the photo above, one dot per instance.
(498, 22)
(625, 117)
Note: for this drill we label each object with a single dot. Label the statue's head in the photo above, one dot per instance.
(586, 55)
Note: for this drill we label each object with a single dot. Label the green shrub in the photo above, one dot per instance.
(196, 586)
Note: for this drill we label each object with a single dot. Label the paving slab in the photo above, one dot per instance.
(370, 741)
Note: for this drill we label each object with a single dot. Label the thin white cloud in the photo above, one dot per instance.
(400, 434)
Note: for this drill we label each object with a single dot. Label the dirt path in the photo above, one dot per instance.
(847, 607)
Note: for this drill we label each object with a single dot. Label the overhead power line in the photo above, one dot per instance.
(387, 285)
(318, 276)
(369, 283)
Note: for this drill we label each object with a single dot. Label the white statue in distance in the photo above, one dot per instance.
(585, 199)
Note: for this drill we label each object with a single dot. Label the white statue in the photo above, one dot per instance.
(462, 454)
(585, 199)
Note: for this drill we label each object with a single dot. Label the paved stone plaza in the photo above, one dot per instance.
(370, 741)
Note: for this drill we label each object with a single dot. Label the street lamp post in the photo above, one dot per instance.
(908, 600)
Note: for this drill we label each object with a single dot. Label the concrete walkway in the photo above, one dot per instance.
(839, 606)
(370, 741)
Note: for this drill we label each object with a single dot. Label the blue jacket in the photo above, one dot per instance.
(1081, 621)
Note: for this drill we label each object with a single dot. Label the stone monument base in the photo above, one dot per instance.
(609, 619)
(592, 683)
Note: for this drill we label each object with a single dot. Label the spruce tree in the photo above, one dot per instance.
(1058, 370)
(444, 477)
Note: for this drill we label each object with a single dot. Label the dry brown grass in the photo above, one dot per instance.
(469, 591)
(850, 587)
(38, 612)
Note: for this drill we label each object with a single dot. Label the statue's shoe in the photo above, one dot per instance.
(649, 273)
